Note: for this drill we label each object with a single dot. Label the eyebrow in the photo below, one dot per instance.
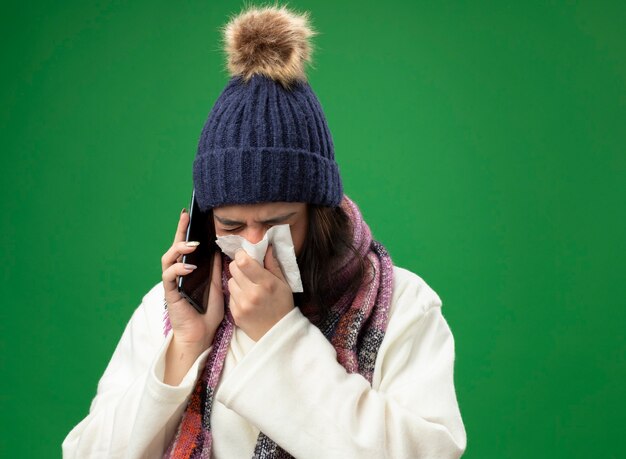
(273, 220)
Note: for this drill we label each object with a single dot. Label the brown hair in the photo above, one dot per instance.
(327, 243)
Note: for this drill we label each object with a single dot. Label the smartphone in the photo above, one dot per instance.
(195, 286)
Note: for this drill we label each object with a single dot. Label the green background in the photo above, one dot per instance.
(483, 141)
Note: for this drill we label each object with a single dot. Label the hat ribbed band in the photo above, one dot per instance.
(253, 175)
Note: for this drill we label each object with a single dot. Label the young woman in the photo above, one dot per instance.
(360, 364)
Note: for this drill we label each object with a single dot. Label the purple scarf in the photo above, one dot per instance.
(355, 327)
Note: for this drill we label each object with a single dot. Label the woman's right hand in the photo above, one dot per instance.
(190, 328)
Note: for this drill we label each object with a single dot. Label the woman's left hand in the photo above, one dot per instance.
(259, 295)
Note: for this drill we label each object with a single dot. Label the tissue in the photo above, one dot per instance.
(280, 238)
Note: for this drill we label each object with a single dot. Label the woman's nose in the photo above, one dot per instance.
(253, 235)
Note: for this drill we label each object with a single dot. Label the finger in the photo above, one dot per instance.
(171, 274)
(249, 267)
(235, 292)
(181, 229)
(240, 277)
(272, 265)
(176, 251)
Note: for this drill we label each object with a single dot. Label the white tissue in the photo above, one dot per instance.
(280, 238)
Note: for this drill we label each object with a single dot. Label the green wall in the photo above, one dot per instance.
(484, 142)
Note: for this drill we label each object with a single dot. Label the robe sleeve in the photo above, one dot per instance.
(292, 388)
(134, 413)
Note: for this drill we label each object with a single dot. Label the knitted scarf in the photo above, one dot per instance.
(355, 326)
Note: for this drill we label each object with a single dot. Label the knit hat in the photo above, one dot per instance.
(266, 138)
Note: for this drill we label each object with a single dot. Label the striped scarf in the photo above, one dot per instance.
(355, 326)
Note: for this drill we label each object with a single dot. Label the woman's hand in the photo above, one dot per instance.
(259, 295)
(193, 332)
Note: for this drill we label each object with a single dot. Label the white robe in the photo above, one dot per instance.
(289, 386)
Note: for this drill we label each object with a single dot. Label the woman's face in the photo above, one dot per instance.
(251, 221)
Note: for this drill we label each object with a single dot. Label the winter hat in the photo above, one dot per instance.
(266, 138)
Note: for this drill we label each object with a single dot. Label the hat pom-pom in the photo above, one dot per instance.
(271, 41)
